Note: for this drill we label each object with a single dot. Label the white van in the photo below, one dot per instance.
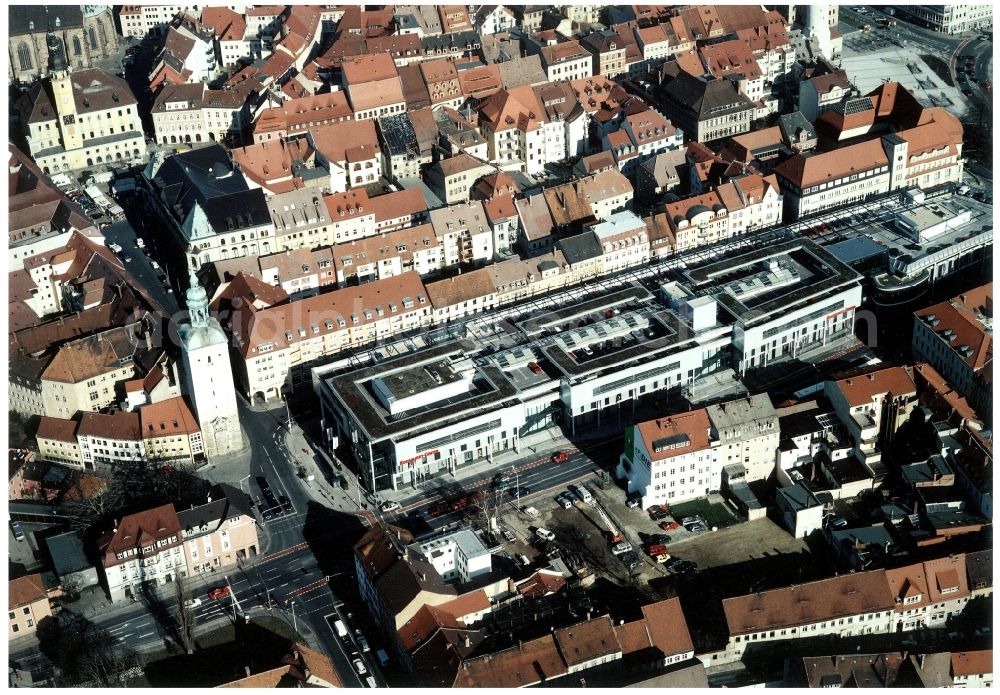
(545, 534)
(341, 628)
(582, 492)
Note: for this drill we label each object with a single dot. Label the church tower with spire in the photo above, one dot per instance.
(208, 375)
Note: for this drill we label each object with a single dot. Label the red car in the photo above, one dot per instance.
(533, 366)
(669, 525)
(438, 509)
(560, 457)
(219, 592)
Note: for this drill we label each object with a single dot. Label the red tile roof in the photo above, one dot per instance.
(167, 418)
(57, 429)
(863, 389)
(975, 663)
(225, 24)
(142, 530)
(815, 602)
(587, 641)
(333, 140)
(120, 426)
(368, 68)
(24, 591)
(667, 626)
(815, 169)
(313, 317)
(467, 604)
(529, 663)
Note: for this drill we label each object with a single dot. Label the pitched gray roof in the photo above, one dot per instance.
(705, 98)
(67, 553)
(20, 18)
(580, 247)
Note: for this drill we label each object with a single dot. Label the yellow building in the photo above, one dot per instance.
(75, 120)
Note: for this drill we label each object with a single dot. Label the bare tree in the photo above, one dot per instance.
(84, 653)
(85, 512)
(185, 616)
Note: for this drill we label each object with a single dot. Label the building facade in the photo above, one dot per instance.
(208, 375)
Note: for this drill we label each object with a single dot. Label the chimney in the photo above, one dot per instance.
(246, 670)
(467, 641)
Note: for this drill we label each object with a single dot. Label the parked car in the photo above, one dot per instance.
(633, 500)
(564, 502)
(15, 528)
(508, 535)
(359, 666)
(533, 366)
(218, 592)
(362, 642)
(621, 548)
(669, 525)
(389, 506)
(838, 522)
(631, 560)
(697, 528)
(545, 534)
(674, 563)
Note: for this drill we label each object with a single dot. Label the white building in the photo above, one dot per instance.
(464, 233)
(950, 19)
(512, 123)
(669, 459)
(848, 605)
(804, 316)
(209, 376)
(746, 432)
(459, 556)
(682, 456)
(144, 549)
(493, 19)
(106, 440)
(141, 20)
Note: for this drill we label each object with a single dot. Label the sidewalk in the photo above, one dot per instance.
(531, 447)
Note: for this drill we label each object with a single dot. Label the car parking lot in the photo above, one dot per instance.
(654, 543)
(738, 543)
